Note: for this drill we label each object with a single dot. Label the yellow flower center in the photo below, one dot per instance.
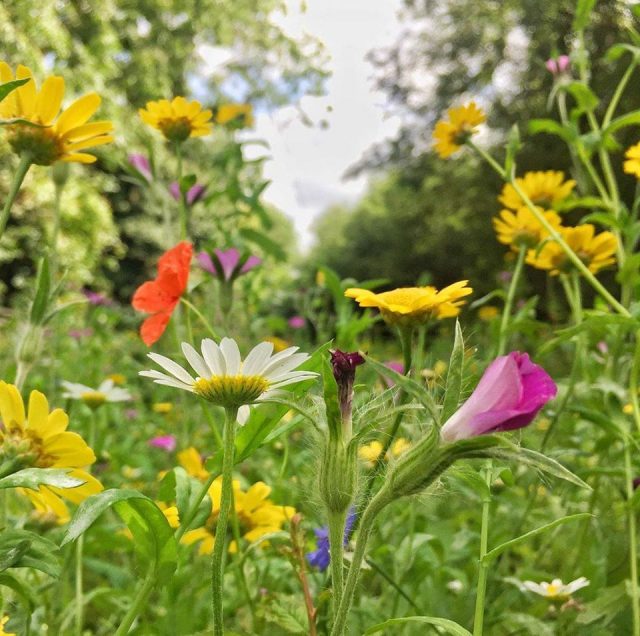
(94, 399)
(175, 129)
(41, 144)
(231, 391)
(525, 237)
(162, 407)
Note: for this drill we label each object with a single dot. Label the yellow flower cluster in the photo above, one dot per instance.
(632, 163)
(413, 305)
(369, 453)
(52, 138)
(177, 119)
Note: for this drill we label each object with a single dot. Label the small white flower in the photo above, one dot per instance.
(106, 392)
(456, 586)
(556, 590)
(225, 380)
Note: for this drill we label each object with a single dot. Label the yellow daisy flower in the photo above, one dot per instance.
(632, 163)
(178, 119)
(191, 460)
(487, 313)
(595, 250)
(413, 305)
(369, 453)
(521, 228)
(450, 136)
(170, 512)
(279, 344)
(163, 408)
(241, 114)
(545, 189)
(40, 439)
(63, 136)
(49, 508)
(257, 516)
(3, 622)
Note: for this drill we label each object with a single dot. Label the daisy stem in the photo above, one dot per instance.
(18, 178)
(633, 546)
(508, 305)
(79, 605)
(481, 588)
(336, 553)
(217, 561)
(139, 601)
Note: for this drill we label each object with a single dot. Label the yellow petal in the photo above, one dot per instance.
(78, 113)
(80, 493)
(89, 143)
(11, 405)
(26, 94)
(57, 422)
(87, 130)
(79, 158)
(49, 100)
(38, 412)
(69, 450)
(5, 72)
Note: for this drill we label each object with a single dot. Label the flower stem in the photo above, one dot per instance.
(217, 561)
(191, 513)
(199, 314)
(139, 600)
(183, 203)
(366, 525)
(633, 546)
(53, 243)
(336, 550)
(508, 305)
(18, 178)
(79, 604)
(481, 589)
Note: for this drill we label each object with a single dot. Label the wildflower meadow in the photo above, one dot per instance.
(428, 422)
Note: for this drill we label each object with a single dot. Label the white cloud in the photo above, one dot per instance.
(308, 162)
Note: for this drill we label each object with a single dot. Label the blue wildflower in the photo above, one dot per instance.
(320, 557)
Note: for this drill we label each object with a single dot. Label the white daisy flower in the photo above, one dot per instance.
(225, 380)
(556, 590)
(106, 392)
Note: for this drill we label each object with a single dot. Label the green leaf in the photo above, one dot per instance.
(630, 119)
(9, 87)
(498, 550)
(410, 386)
(23, 549)
(152, 536)
(609, 602)
(513, 146)
(262, 240)
(537, 460)
(42, 298)
(585, 98)
(552, 127)
(451, 627)
(583, 14)
(24, 591)
(618, 50)
(33, 477)
(455, 370)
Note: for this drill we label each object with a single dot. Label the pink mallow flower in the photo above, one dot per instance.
(165, 442)
(296, 322)
(558, 65)
(194, 193)
(230, 263)
(142, 165)
(509, 395)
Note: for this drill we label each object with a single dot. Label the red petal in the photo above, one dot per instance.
(153, 327)
(177, 261)
(152, 296)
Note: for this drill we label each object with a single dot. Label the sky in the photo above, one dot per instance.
(308, 163)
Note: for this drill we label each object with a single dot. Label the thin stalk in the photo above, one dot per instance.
(191, 513)
(336, 553)
(508, 305)
(633, 382)
(79, 600)
(624, 80)
(392, 583)
(183, 203)
(554, 234)
(200, 316)
(53, 244)
(139, 601)
(217, 561)
(366, 526)
(633, 545)
(481, 589)
(18, 178)
(564, 118)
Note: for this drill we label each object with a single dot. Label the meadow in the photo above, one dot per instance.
(205, 432)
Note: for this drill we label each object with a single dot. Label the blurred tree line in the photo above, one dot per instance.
(427, 219)
(132, 51)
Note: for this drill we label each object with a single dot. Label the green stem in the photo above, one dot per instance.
(608, 116)
(366, 525)
(183, 202)
(633, 546)
(217, 561)
(139, 601)
(336, 553)
(79, 604)
(53, 246)
(203, 320)
(18, 178)
(481, 589)
(508, 305)
(191, 513)
(633, 382)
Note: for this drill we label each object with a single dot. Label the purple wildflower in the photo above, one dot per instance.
(96, 298)
(164, 442)
(194, 194)
(142, 165)
(296, 322)
(229, 261)
(320, 557)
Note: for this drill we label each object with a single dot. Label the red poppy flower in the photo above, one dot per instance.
(160, 296)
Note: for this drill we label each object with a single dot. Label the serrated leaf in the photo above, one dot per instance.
(455, 370)
(451, 627)
(23, 590)
(507, 545)
(8, 87)
(23, 549)
(34, 477)
(153, 537)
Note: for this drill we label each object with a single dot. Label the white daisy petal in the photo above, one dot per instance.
(281, 355)
(257, 358)
(294, 376)
(243, 415)
(231, 354)
(213, 357)
(283, 366)
(195, 360)
(106, 386)
(158, 375)
(172, 367)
